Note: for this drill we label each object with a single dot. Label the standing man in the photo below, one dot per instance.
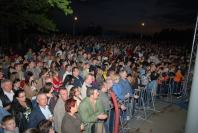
(59, 110)
(40, 112)
(92, 112)
(7, 94)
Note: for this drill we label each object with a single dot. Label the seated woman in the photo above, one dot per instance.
(21, 108)
(71, 122)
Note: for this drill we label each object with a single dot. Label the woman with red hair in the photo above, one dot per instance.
(71, 122)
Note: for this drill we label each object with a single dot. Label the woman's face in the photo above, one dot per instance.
(75, 108)
(77, 92)
(21, 97)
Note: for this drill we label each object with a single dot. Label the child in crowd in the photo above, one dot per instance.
(9, 125)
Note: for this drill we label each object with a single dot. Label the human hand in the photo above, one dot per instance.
(82, 127)
(123, 107)
(102, 116)
(127, 95)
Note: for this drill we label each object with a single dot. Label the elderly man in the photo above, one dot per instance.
(86, 85)
(91, 112)
(40, 112)
(59, 110)
(7, 96)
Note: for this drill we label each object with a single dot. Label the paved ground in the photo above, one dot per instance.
(170, 119)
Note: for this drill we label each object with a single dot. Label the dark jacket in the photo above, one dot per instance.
(21, 114)
(70, 124)
(78, 82)
(35, 117)
(5, 100)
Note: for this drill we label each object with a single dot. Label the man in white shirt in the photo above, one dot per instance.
(40, 112)
(7, 96)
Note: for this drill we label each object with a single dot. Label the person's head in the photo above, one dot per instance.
(17, 67)
(115, 78)
(71, 106)
(41, 99)
(54, 74)
(6, 85)
(74, 91)
(75, 72)
(104, 87)
(29, 77)
(89, 79)
(68, 68)
(32, 64)
(47, 89)
(16, 83)
(123, 74)
(68, 80)
(8, 123)
(85, 55)
(32, 130)
(45, 126)
(44, 72)
(20, 95)
(63, 93)
(92, 93)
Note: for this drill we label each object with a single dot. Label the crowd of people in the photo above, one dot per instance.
(62, 84)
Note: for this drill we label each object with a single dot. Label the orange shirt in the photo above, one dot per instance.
(178, 77)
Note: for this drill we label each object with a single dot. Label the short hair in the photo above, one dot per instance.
(90, 91)
(43, 71)
(16, 81)
(62, 88)
(69, 103)
(5, 81)
(44, 126)
(27, 76)
(32, 130)
(7, 118)
(39, 94)
(46, 88)
(72, 92)
(74, 68)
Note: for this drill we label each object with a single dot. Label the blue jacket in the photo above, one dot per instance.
(117, 89)
(127, 88)
(35, 117)
(3, 113)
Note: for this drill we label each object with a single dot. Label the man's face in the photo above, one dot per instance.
(18, 67)
(42, 100)
(76, 72)
(7, 86)
(124, 75)
(89, 79)
(105, 87)
(9, 125)
(95, 94)
(63, 95)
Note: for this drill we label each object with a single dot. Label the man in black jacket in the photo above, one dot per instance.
(7, 94)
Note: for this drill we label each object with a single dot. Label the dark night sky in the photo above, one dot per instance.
(127, 15)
